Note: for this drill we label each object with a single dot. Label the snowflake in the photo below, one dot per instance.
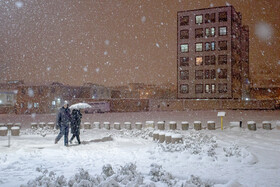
(19, 4)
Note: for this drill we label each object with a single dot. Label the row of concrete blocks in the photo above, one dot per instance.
(14, 131)
(161, 137)
(265, 125)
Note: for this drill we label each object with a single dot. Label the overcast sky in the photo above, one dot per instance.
(117, 42)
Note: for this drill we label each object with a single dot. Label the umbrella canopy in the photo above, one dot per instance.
(80, 106)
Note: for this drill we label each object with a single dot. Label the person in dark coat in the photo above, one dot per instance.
(62, 122)
(75, 125)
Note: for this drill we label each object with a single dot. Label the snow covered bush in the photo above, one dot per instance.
(232, 150)
(158, 174)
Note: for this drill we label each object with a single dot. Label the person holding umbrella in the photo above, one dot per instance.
(75, 125)
(62, 122)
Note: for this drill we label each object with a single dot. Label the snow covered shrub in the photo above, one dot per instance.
(144, 133)
(160, 175)
(40, 131)
(232, 150)
(107, 170)
(83, 178)
(46, 179)
(196, 181)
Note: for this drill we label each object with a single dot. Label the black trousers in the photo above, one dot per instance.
(77, 137)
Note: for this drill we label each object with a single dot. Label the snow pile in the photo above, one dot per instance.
(40, 131)
(146, 133)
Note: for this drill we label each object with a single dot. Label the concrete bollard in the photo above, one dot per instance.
(172, 125)
(50, 125)
(161, 137)
(15, 131)
(150, 124)
(197, 125)
(117, 125)
(168, 138)
(3, 131)
(127, 125)
(160, 125)
(138, 125)
(2, 125)
(42, 124)
(252, 125)
(107, 125)
(176, 138)
(156, 136)
(211, 125)
(185, 125)
(34, 126)
(17, 125)
(97, 125)
(266, 125)
(9, 125)
(87, 125)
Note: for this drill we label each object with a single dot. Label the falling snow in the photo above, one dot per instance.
(264, 31)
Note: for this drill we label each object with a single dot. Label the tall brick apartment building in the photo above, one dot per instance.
(212, 54)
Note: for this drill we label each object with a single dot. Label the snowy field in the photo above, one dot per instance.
(232, 157)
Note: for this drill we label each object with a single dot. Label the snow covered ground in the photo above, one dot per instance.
(130, 157)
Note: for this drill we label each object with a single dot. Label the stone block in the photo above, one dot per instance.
(185, 125)
(197, 125)
(160, 125)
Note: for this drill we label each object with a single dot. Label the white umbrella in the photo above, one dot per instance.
(80, 106)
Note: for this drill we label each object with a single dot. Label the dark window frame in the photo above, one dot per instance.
(222, 74)
(184, 92)
(223, 16)
(184, 62)
(222, 88)
(221, 60)
(182, 36)
(198, 91)
(199, 77)
(220, 31)
(183, 23)
(199, 35)
(201, 46)
(186, 77)
(219, 45)
(181, 47)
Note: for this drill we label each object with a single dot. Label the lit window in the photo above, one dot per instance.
(212, 46)
(184, 34)
(207, 46)
(184, 61)
(213, 89)
(198, 19)
(207, 32)
(184, 88)
(207, 88)
(36, 105)
(184, 75)
(198, 47)
(53, 103)
(222, 31)
(184, 48)
(184, 20)
(212, 31)
(198, 61)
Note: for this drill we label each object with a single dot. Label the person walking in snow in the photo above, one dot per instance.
(62, 122)
(75, 125)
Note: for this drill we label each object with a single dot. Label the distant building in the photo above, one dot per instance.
(212, 54)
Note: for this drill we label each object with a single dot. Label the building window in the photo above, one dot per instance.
(213, 60)
(198, 47)
(212, 46)
(199, 88)
(22, 91)
(222, 59)
(184, 34)
(36, 105)
(207, 88)
(210, 18)
(213, 89)
(184, 61)
(184, 20)
(199, 61)
(207, 74)
(184, 75)
(222, 16)
(198, 19)
(222, 31)
(199, 33)
(222, 45)
(213, 31)
(222, 74)
(222, 88)
(207, 46)
(53, 103)
(207, 32)
(213, 74)
(198, 74)
(184, 88)
(184, 48)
